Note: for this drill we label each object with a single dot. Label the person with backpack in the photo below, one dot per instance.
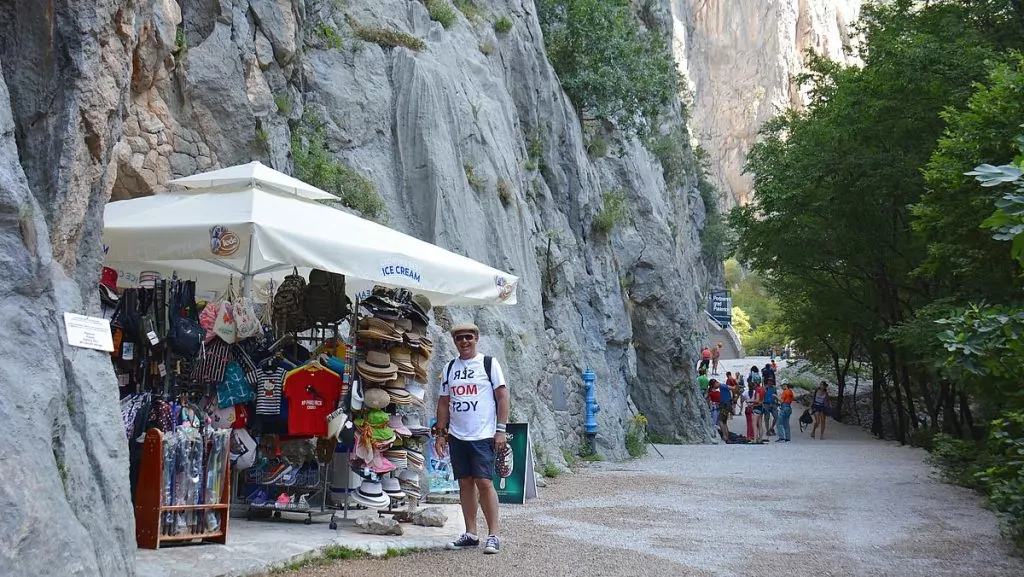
(785, 412)
(820, 405)
(770, 407)
(472, 411)
(705, 359)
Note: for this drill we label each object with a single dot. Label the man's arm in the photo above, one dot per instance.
(501, 397)
(443, 412)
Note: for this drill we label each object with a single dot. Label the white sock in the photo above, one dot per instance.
(471, 536)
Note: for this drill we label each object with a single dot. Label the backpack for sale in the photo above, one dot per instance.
(325, 300)
(289, 313)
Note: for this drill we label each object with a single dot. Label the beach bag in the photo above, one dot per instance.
(224, 327)
(208, 318)
(184, 336)
(324, 297)
(247, 324)
(288, 303)
(234, 389)
(806, 418)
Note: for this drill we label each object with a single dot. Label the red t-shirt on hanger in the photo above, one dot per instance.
(312, 393)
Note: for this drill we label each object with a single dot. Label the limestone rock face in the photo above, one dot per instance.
(470, 142)
(740, 59)
(64, 481)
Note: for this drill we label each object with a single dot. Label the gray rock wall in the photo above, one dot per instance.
(112, 98)
(64, 481)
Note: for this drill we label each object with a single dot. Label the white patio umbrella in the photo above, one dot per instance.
(263, 229)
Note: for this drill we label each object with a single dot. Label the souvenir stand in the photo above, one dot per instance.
(308, 364)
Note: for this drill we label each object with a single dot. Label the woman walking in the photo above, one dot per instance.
(758, 412)
(819, 408)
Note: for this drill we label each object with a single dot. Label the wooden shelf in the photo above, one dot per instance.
(149, 512)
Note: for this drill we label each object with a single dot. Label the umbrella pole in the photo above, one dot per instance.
(247, 278)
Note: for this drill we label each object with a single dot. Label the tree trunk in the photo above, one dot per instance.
(901, 416)
(856, 405)
(968, 417)
(877, 381)
(930, 404)
(950, 422)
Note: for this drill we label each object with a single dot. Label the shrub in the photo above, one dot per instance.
(1003, 478)
(551, 470)
(472, 178)
(613, 212)
(441, 11)
(673, 152)
(468, 9)
(503, 25)
(180, 45)
(636, 436)
(325, 35)
(534, 145)
(284, 105)
(597, 147)
(504, 192)
(955, 460)
(486, 48)
(385, 37)
(316, 165)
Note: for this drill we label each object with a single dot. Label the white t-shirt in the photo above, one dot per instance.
(474, 412)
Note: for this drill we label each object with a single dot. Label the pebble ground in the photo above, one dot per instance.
(848, 505)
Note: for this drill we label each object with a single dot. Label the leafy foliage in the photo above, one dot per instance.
(441, 11)
(636, 436)
(612, 69)
(385, 37)
(503, 25)
(612, 213)
(315, 164)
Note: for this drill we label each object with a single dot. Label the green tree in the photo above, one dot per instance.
(612, 69)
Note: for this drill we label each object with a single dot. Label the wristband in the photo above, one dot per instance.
(500, 427)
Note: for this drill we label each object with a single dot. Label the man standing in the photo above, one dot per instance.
(705, 359)
(716, 353)
(725, 396)
(472, 411)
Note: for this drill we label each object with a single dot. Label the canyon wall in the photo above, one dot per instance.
(740, 59)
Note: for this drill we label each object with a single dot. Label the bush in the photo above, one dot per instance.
(613, 212)
(385, 37)
(611, 67)
(636, 436)
(1003, 478)
(468, 9)
(551, 470)
(955, 459)
(502, 25)
(284, 105)
(673, 152)
(441, 11)
(472, 178)
(316, 165)
(504, 192)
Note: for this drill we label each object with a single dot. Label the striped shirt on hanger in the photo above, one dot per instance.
(268, 395)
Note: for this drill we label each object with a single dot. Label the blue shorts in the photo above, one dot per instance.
(472, 458)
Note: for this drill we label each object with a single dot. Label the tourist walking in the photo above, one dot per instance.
(716, 354)
(819, 409)
(758, 403)
(714, 398)
(472, 410)
(770, 406)
(724, 409)
(785, 412)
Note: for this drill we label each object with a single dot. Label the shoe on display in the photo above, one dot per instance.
(284, 473)
(463, 542)
(493, 545)
(257, 497)
(283, 500)
(273, 471)
(303, 502)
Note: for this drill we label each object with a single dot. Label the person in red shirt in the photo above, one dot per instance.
(714, 401)
(731, 382)
(312, 393)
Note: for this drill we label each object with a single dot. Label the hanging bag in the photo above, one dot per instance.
(185, 336)
(289, 313)
(225, 327)
(247, 324)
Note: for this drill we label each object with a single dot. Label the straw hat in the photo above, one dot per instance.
(377, 367)
(376, 328)
(400, 396)
(392, 488)
(395, 384)
(376, 399)
(396, 424)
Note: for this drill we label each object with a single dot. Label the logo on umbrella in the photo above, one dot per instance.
(223, 242)
(505, 287)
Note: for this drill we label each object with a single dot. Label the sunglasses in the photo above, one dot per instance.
(461, 338)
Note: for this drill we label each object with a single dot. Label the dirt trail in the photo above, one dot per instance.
(847, 505)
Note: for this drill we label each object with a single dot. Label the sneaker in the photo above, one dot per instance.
(463, 542)
(493, 545)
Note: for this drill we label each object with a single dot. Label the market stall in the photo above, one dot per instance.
(316, 332)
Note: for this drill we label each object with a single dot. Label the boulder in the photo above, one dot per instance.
(375, 525)
(430, 517)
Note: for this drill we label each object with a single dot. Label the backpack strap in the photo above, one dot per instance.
(448, 372)
(487, 369)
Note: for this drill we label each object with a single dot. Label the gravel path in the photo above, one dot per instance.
(847, 505)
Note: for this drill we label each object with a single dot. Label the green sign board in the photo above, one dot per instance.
(513, 477)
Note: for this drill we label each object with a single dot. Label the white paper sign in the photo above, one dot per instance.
(88, 332)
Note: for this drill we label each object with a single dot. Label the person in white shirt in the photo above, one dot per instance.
(472, 411)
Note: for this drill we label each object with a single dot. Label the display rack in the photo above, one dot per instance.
(149, 510)
(311, 482)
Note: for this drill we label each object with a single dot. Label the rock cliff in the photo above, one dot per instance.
(469, 141)
(740, 59)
